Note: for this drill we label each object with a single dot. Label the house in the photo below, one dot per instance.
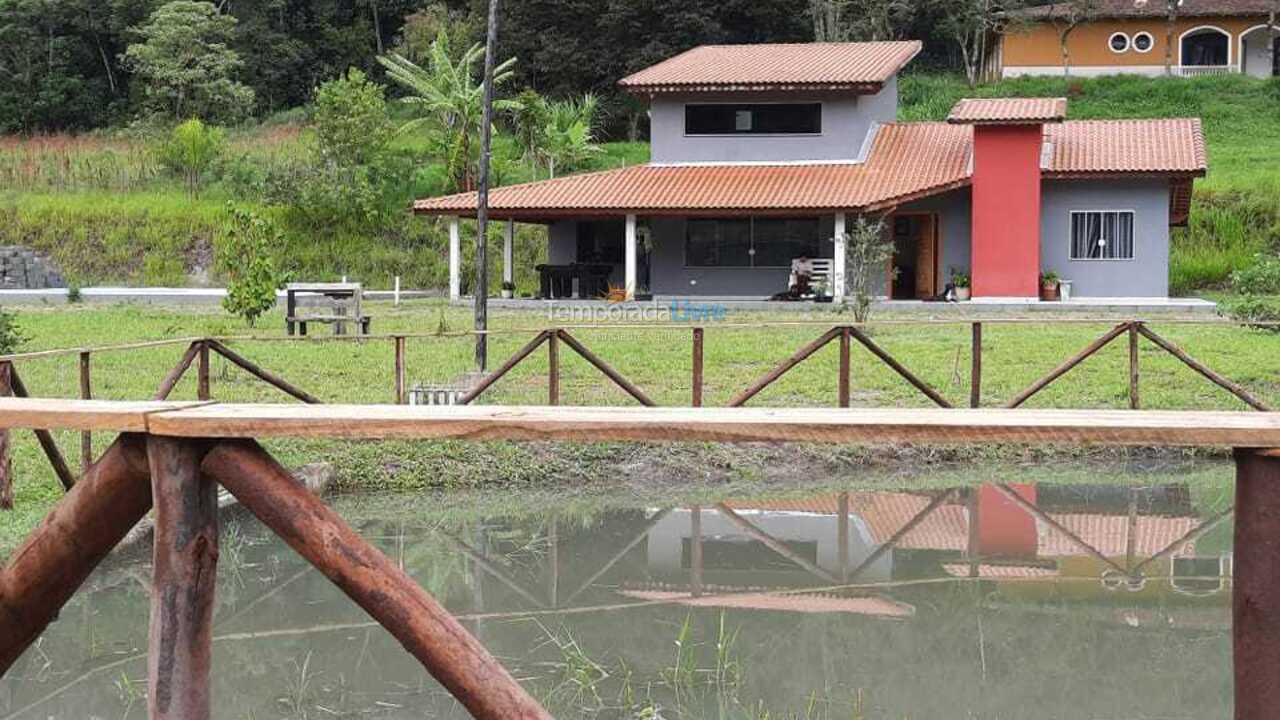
(1210, 37)
(761, 154)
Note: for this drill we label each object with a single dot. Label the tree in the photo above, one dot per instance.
(186, 62)
(1066, 17)
(970, 24)
(867, 250)
(448, 102)
(245, 259)
(191, 150)
(351, 121)
(555, 134)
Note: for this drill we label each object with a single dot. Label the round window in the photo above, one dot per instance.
(1143, 42)
(1119, 42)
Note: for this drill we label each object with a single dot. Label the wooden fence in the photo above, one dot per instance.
(173, 455)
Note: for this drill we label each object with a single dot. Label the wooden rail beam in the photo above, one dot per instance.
(184, 577)
(796, 358)
(653, 521)
(896, 538)
(899, 368)
(267, 377)
(605, 368)
(45, 571)
(1255, 595)
(425, 628)
(1044, 517)
(47, 443)
(1070, 363)
(1204, 370)
(171, 380)
(505, 368)
(487, 565)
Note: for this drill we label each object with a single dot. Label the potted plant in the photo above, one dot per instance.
(960, 281)
(1048, 285)
(508, 290)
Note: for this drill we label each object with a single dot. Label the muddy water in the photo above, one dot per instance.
(1079, 601)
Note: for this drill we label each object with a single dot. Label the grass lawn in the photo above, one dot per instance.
(657, 360)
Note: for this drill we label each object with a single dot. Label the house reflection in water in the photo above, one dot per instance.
(1083, 541)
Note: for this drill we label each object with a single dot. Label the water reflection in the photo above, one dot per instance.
(982, 601)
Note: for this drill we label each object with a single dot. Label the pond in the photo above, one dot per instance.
(1075, 598)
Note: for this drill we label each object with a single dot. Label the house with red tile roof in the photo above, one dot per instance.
(765, 154)
(1134, 37)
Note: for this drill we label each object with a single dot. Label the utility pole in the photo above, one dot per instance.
(482, 194)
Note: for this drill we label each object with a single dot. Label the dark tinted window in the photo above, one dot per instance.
(778, 241)
(729, 119)
(718, 243)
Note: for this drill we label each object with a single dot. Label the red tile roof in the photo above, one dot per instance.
(1107, 9)
(857, 66)
(906, 161)
(1008, 111)
(1117, 147)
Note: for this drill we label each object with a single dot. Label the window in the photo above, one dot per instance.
(1119, 42)
(750, 242)
(1102, 235)
(1143, 42)
(765, 119)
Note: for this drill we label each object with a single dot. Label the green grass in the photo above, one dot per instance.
(655, 360)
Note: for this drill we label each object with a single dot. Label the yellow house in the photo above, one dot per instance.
(1209, 37)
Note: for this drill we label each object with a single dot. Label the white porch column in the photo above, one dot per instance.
(837, 265)
(508, 252)
(631, 257)
(455, 260)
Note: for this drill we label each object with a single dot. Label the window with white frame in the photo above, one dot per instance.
(1102, 235)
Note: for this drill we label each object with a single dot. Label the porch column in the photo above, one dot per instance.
(837, 265)
(508, 242)
(631, 257)
(455, 260)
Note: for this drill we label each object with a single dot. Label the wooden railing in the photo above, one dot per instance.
(173, 455)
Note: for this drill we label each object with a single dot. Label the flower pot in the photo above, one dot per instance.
(507, 294)
(1049, 292)
(962, 293)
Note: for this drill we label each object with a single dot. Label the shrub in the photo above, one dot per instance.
(1260, 278)
(245, 259)
(11, 335)
(191, 150)
(1254, 309)
(867, 251)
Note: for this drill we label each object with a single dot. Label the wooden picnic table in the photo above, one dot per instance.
(340, 303)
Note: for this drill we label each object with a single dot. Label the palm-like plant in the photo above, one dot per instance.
(569, 138)
(447, 98)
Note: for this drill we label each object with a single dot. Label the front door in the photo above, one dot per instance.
(914, 270)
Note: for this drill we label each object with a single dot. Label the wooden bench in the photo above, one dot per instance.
(341, 303)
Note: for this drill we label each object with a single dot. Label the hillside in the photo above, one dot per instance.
(104, 208)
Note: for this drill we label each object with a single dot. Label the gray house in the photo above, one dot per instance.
(762, 154)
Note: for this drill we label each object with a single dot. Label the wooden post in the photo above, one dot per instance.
(170, 381)
(81, 530)
(6, 475)
(399, 343)
(86, 393)
(695, 551)
(843, 381)
(1134, 403)
(697, 367)
(202, 373)
(184, 576)
(44, 437)
(553, 367)
(1255, 595)
(425, 628)
(975, 367)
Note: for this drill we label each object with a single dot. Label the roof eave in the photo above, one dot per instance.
(651, 89)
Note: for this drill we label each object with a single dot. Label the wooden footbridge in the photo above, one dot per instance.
(173, 455)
